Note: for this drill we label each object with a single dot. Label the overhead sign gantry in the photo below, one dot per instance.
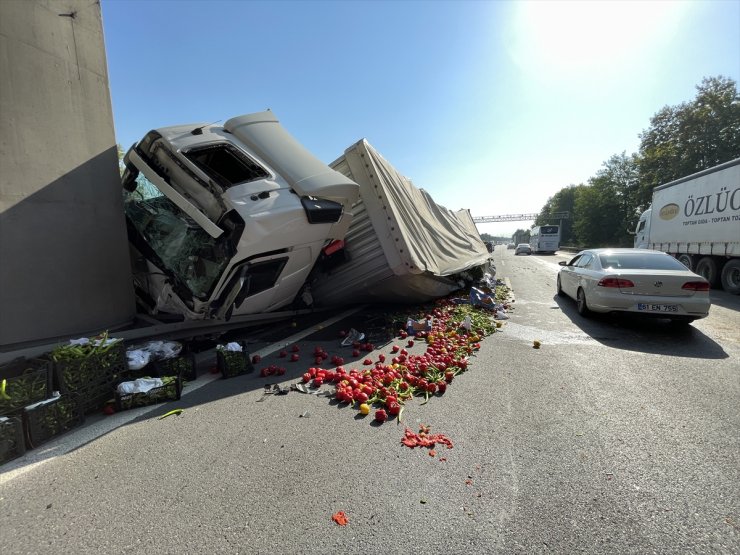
(519, 217)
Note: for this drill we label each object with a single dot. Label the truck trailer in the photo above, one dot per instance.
(697, 220)
(401, 246)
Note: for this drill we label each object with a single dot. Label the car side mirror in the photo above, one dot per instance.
(563, 262)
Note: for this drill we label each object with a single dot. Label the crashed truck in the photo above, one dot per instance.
(239, 218)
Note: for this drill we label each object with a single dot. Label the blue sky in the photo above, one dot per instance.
(491, 106)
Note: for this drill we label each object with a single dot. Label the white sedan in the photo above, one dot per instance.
(523, 248)
(638, 281)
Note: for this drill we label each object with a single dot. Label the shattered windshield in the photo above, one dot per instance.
(184, 249)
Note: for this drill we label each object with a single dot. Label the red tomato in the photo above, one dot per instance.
(381, 415)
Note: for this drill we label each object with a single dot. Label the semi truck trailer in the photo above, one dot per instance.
(697, 220)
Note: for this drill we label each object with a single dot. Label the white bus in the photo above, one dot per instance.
(544, 238)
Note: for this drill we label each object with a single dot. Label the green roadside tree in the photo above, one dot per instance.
(690, 137)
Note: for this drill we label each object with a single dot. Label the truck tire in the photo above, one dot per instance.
(687, 260)
(707, 268)
(731, 276)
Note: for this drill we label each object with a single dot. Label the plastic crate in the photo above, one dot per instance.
(184, 366)
(12, 445)
(50, 418)
(234, 363)
(26, 381)
(92, 378)
(167, 392)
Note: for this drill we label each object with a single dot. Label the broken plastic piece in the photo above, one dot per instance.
(352, 336)
(415, 326)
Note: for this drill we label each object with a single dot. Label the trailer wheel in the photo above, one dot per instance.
(731, 277)
(687, 260)
(707, 268)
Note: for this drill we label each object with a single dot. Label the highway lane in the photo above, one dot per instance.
(613, 437)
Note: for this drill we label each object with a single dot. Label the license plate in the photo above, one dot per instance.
(657, 307)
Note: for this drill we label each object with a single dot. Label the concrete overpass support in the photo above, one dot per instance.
(64, 263)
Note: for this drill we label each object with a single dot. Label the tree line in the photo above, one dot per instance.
(681, 140)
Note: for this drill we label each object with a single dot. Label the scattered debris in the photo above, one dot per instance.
(340, 518)
(425, 439)
(536, 344)
(273, 389)
(352, 337)
(172, 412)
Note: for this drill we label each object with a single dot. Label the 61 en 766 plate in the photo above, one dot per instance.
(647, 307)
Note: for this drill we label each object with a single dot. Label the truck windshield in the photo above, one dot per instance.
(183, 249)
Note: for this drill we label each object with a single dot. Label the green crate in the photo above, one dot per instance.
(26, 381)
(234, 363)
(12, 445)
(183, 366)
(92, 378)
(170, 391)
(48, 419)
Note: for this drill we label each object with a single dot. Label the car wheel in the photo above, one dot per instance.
(582, 304)
(707, 268)
(731, 277)
(560, 289)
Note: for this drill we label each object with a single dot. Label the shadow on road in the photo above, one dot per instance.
(646, 335)
(208, 388)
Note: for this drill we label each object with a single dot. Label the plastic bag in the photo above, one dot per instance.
(233, 347)
(137, 359)
(139, 356)
(142, 385)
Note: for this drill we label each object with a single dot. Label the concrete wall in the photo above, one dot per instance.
(64, 263)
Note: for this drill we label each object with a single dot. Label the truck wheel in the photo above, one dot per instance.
(582, 304)
(687, 260)
(731, 277)
(707, 268)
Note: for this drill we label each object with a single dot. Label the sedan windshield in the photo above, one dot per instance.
(639, 261)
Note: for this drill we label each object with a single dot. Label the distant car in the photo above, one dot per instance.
(523, 248)
(639, 281)
(510, 246)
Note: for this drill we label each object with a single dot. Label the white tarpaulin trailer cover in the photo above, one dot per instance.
(401, 245)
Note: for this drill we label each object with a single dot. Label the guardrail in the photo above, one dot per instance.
(571, 249)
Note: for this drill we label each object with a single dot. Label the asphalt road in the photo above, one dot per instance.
(613, 437)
